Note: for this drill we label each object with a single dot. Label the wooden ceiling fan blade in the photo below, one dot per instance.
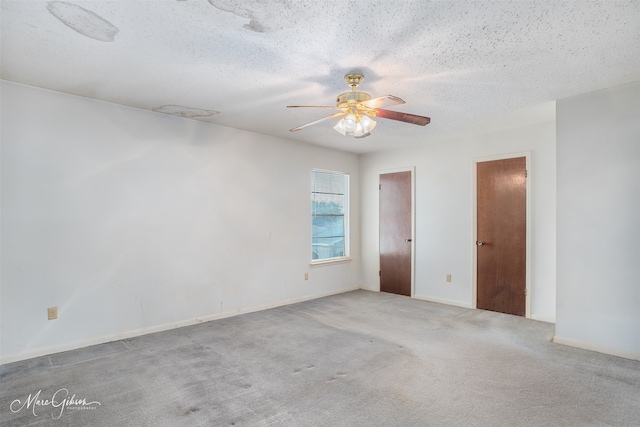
(403, 117)
(341, 113)
(383, 101)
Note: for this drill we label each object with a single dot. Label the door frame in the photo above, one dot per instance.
(474, 269)
(411, 169)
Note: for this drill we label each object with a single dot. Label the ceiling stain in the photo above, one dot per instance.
(265, 16)
(83, 21)
(181, 111)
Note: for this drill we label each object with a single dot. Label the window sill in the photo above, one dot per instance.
(330, 261)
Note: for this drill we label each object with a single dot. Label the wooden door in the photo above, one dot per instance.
(501, 244)
(395, 233)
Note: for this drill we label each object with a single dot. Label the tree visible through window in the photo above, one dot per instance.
(329, 215)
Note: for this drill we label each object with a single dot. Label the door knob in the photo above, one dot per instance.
(480, 243)
(407, 240)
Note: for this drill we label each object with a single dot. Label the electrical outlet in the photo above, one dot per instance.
(448, 277)
(306, 276)
(52, 313)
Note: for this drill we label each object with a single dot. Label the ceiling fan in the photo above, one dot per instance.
(357, 108)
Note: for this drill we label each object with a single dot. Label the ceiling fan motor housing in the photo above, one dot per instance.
(350, 102)
(344, 99)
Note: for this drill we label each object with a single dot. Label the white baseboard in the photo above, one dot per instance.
(138, 332)
(543, 318)
(586, 345)
(444, 301)
(366, 288)
(467, 305)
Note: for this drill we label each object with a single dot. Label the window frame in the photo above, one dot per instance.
(347, 212)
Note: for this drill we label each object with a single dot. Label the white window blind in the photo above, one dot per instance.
(329, 215)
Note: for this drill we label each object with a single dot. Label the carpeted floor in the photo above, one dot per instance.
(355, 359)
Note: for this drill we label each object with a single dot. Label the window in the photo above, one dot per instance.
(329, 215)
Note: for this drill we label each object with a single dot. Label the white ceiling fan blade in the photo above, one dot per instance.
(383, 101)
(313, 106)
(341, 113)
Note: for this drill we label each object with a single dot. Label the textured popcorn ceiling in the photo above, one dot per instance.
(472, 66)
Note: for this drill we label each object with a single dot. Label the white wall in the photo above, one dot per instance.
(598, 145)
(444, 235)
(131, 221)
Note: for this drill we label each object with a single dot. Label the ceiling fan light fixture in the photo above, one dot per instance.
(367, 123)
(356, 126)
(350, 123)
